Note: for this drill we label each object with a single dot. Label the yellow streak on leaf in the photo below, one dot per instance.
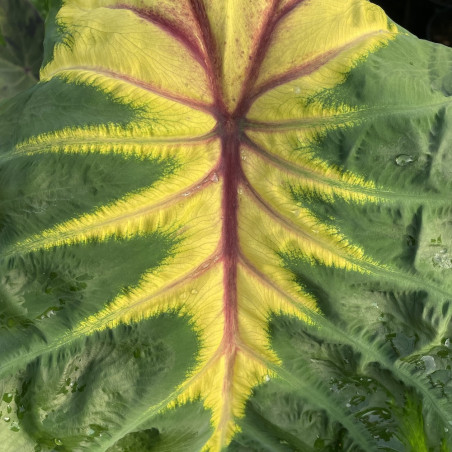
(263, 237)
(157, 117)
(271, 180)
(348, 30)
(237, 31)
(295, 148)
(197, 216)
(126, 44)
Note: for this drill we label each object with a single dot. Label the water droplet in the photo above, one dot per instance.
(8, 409)
(356, 400)
(442, 259)
(14, 427)
(48, 313)
(194, 291)
(446, 429)
(95, 430)
(429, 363)
(183, 295)
(447, 342)
(7, 397)
(404, 159)
(186, 193)
(6, 418)
(267, 378)
(58, 442)
(297, 90)
(214, 177)
(240, 190)
(243, 154)
(348, 405)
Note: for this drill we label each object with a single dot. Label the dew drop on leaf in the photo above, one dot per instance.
(58, 442)
(7, 397)
(442, 259)
(356, 400)
(404, 159)
(429, 363)
(95, 430)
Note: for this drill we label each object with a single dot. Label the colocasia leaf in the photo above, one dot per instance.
(227, 225)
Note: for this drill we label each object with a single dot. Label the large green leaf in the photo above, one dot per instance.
(21, 36)
(227, 224)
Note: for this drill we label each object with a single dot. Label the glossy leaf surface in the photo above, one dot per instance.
(227, 225)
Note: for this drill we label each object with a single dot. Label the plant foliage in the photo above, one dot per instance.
(227, 225)
(21, 37)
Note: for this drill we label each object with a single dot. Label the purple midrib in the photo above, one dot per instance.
(229, 131)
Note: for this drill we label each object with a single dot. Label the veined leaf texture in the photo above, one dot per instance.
(226, 225)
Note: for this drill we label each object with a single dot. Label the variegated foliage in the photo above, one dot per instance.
(226, 224)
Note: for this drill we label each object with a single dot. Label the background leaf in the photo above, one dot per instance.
(21, 49)
(42, 7)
